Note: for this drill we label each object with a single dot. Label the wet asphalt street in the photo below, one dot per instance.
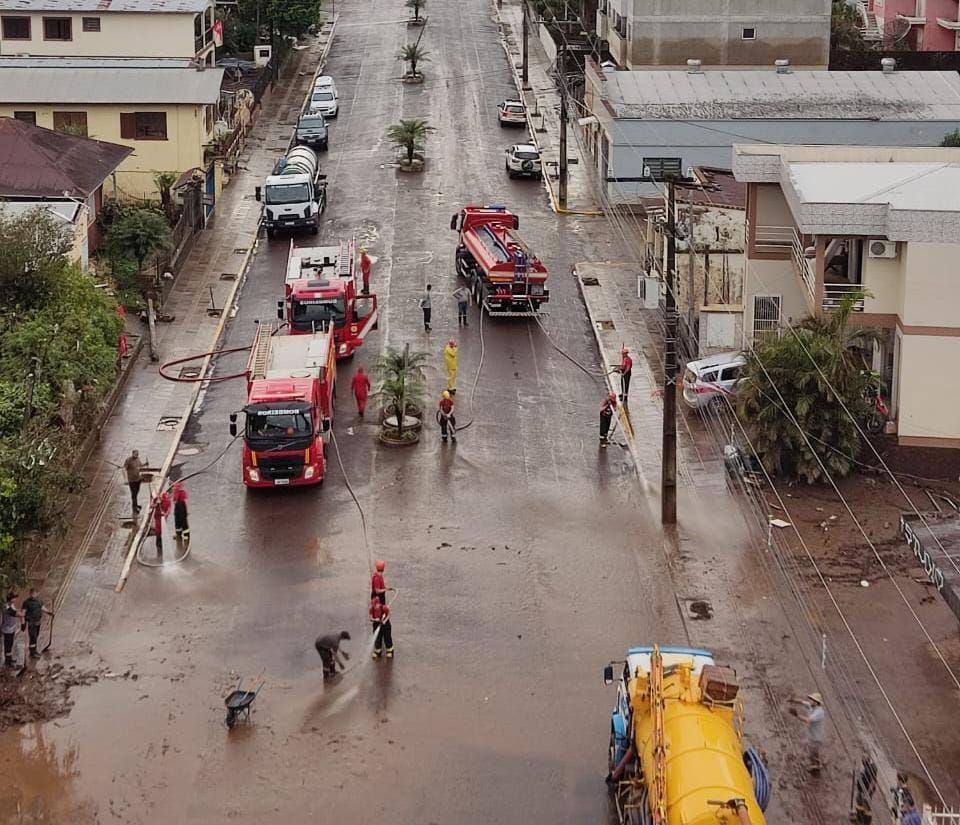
(524, 558)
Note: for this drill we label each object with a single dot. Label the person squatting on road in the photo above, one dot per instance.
(426, 304)
(451, 362)
(382, 629)
(448, 421)
(462, 296)
(133, 467)
(365, 264)
(181, 523)
(378, 585)
(607, 409)
(161, 509)
(33, 611)
(9, 626)
(328, 646)
(626, 370)
(361, 390)
(816, 721)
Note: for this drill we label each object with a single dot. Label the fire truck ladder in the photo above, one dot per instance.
(345, 260)
(260, 356)
(658, 789)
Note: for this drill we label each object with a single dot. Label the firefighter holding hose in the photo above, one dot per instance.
(447, 418)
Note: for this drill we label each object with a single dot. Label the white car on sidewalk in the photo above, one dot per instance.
(708, 381)
(523, 159)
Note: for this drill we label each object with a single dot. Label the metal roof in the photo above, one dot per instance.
(796, 95)
(78, 80)
(41, 163)
(100, 6)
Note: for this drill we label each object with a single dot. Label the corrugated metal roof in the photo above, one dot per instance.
(100, 6)
(747, 95)
(41, 163)
(78, 80)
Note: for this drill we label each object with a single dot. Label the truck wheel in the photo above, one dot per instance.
(271, 232)
(314, 229)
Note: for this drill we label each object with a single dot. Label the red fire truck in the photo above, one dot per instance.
(320, 290)
(289, 409)
(506, 278)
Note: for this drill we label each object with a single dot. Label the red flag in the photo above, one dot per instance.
(217, 32)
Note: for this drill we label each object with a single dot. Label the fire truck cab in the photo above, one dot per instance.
(320, 291)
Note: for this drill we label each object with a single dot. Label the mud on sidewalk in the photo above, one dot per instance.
(42, 691)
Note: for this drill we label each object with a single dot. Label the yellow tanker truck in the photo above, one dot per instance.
(676, 750)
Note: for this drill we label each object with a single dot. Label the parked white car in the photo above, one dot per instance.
(523, 159)
(324, 101)
(324, 81)
(512, 113)
(706, 382)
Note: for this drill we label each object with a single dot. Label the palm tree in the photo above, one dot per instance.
(413, 54)
(410, 135)
(402, 380)
(789, 395)
(416, 5)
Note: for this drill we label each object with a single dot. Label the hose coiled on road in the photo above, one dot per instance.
(761, 780)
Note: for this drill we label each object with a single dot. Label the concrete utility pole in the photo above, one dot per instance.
(691, 279)
(525, 66)
(562, 68)
(668, 470)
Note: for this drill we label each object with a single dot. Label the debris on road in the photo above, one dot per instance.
(41, 694)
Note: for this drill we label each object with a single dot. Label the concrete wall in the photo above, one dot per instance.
(929, 395)
(182, 150)
(932, 289)
(709, 143)
(774, 278)
(666, 33)
(772, 208)
(121, 35)
(883, 280)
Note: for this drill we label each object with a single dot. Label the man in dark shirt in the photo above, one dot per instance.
(328, 646)
(9, 624)
(33, 611)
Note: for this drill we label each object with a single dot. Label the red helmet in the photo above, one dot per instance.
(380, 565)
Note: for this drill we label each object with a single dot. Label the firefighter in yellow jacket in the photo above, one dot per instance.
(450, 358)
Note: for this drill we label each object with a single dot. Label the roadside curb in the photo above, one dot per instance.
(622, 412)
(200, 385)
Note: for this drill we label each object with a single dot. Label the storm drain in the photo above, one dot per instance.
(240, 250)
(604, 325)
(590, 281)
(214, 312)
(168, 423)
(700, 610)
(189, 372)
(228, 276)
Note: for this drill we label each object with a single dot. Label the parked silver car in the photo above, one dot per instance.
(706, 382)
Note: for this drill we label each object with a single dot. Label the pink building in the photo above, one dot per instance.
(924, 25)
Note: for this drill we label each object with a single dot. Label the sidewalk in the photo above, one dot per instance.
(543, 114)
(152, 413)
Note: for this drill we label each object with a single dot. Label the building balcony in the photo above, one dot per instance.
(952, 25)
(203, 42)
(773, 239)
(833, 294)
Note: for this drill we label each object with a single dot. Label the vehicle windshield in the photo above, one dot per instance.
(278, 193)
(278, 424)
(526, 155)
(324, 96)
(311, 122)
(310, 313)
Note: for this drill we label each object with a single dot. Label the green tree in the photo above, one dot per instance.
(410, 135)
(412, 55)
(164, 182)
(34, 249)
(804, 366)
(402, 380)
(415, 6)
(137, 234)
(249, 21)
(846, 27)
(554, 9)
(951, 138)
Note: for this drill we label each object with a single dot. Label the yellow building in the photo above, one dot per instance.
(109, 28)
(825, 221)
(164, 109)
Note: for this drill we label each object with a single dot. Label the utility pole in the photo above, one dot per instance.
(274, 57)
(562, 68)
(525, 66)
(691, 278)
(668, 471)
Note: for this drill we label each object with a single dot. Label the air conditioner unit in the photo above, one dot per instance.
(882, 249)
(648, 290)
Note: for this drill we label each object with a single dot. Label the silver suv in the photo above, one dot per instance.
(708, 381)
(523, 159)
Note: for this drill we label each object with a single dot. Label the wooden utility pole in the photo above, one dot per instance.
(668, 472)
(525, 65)
(562, 68)
(693, 344)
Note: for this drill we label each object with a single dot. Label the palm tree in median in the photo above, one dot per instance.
(410, 135)
(412, 54)
(416, 5)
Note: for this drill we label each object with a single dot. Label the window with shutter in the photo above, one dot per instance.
(57, 28)
(151, 125)
(74, 123)
(16, 28)
(26, 117)
(128, 125)
(91, 24)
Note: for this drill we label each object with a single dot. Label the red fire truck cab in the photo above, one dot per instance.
(506, 278)
(320, 290)
(289, 409)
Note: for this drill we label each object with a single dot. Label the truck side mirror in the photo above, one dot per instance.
(280, 310)
(326, 425)
(233, 424)
(257, 192)
(608, 675)
(516, 221)
(453, 221)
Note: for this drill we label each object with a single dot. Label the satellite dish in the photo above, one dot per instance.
(895, 31)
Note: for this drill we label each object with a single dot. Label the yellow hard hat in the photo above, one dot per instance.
(363, 249)
(446, 394)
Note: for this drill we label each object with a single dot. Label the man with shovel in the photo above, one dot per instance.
(33, 610)
(328, 646)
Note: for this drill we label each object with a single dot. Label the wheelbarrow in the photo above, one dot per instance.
(238, 703)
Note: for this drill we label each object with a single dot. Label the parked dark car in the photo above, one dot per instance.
(312, 131)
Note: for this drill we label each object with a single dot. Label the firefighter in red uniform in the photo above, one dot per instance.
(382, 631)
(365, 264)
(448, 421)
(607, 409)
(161, 509)
(626, 369)
(378, 586)
(361, 389)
